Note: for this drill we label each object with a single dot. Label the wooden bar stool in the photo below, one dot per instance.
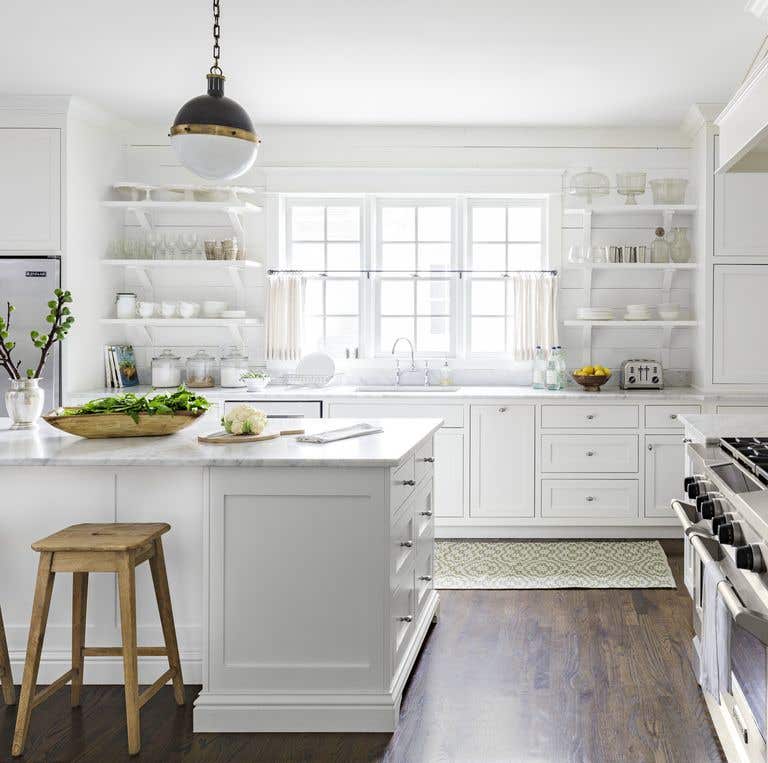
(81, 549)
(6, 677)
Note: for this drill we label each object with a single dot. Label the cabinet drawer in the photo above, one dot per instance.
(743, 410)
(423, 516)
(596, 499)
(281, 409)
(403, 543)
(425, 459)
(666, 416)
(424, 573)
(403, 612)
(589, 453)
(401, 485)
(589, 416)
(452, 415)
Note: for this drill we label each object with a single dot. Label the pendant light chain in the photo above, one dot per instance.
(216, 69)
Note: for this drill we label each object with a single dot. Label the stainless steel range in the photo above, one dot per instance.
(726, 527)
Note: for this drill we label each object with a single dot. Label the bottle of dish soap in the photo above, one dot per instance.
(553, 375)
(446, 380)
(539, 368)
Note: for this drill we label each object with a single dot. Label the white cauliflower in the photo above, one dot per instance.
(245, 419)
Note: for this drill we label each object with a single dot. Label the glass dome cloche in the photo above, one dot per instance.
(588, 185)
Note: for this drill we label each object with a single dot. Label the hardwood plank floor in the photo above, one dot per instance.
(592, 676)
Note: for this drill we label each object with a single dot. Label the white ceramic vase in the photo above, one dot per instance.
(24, 402)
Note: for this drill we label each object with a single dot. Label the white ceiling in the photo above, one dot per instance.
(475, 62)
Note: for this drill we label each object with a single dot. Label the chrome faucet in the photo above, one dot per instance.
(397, 360)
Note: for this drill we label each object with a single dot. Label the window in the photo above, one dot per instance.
(323, 236)
(503, 236)
(413, 239)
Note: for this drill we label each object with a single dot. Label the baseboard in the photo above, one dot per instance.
(553, 533)
(107, 670)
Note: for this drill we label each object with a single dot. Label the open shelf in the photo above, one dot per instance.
(235, 326)
(630, 266)
(209, 264)
(633, 324)
(633, 209)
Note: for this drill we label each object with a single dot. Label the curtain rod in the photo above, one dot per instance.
(414, 273)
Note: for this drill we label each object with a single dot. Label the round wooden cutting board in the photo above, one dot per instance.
(224, 438)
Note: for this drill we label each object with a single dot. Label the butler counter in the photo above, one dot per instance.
(301, 574)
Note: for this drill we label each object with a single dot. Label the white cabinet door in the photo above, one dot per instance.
(740, 230)
(30, 190)
(739, 314)
(502, 461)
(449, 473)
(664, 471)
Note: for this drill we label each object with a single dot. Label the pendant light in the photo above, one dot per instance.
(213, 135)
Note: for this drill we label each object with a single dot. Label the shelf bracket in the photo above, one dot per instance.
(143, 218)
(588, 286)
(666, 217)
(666, 346)
(236, 276)
(669, 275)
(236, 223)
(586, 344)
(142, 276)
(236, 334)
(587, 223)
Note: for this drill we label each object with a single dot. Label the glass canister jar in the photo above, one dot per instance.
(659, 247)
(680, 248)
(233, 365)
(125, 304)
(166, 371)
(201, 370)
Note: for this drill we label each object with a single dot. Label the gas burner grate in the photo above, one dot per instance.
(752, 452)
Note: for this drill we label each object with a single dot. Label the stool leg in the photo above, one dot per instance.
(79, 607)
(126, 579)
(163, 595)
(40, 607)
(6, 677)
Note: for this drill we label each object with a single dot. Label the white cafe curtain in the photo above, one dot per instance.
(285, 316)
(533, 312)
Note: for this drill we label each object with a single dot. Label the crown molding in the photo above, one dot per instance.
(699, 115)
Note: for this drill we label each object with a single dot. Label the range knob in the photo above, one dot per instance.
(697, 488)
(655, 380)
(729, 534)
(632, 379)
(719, 521)
(709, 506)
(750, 558)
(690, 480)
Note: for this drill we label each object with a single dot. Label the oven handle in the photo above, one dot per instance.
(686, 514)
(750, 620)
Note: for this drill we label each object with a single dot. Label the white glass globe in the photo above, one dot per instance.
(215, 157)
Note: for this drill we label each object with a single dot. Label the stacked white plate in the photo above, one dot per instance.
(595, 313)
(638, 313)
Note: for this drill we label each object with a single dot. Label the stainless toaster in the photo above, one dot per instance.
(641, 374)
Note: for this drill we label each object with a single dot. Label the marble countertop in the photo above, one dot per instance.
(461, 394)
(47, 446)
(710, 427)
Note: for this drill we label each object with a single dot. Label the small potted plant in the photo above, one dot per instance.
(24, 400)
(255, 380)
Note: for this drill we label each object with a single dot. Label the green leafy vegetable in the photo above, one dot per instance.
(132, 405)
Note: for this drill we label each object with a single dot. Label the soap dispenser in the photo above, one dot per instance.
(445, 374)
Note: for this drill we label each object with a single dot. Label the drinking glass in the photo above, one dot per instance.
(576, 254)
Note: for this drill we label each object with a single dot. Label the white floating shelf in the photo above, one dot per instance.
(631, 324)
(628, 266)
(207, 264)
(633, 209)
(235, 326)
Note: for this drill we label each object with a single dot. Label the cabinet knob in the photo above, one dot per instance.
(590, 452)
(409, 482)
(425, 513)
(687, 440)
(425, 578)
(502, 410)
(650, 447)
(407, 544)
(590, 416)
(673, 416)
(406, 619)
(428, 460)
(590, 498)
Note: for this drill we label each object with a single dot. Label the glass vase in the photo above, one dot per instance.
(680, 248)
(24, 402)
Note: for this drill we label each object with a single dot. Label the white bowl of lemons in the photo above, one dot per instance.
(591, 377)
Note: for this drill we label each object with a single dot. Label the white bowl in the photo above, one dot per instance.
(255, 385)
(668, 190)
(188, 309)
(669, 315)
(213, 308)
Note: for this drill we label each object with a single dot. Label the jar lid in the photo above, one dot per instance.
(201, 355)
(166, 355)
(126, 293)
(235, 353)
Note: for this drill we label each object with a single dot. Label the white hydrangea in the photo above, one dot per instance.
(245, 419)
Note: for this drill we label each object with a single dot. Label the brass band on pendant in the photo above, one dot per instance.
(228, 132)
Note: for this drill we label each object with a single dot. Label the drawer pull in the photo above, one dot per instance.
(407, 544)
(590, 452)
(673, 416)
(425, 578)
(650, 447)
(590, 416)
(502, 410)
(590, 498)
(406, 619)
(428, 460)
(425, 513)
(409, 482)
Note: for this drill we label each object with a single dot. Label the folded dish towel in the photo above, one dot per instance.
(332, 435)
(715, 636)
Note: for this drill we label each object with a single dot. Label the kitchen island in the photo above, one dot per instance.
(302, 586)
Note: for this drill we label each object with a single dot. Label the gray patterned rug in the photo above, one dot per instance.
(551, 564)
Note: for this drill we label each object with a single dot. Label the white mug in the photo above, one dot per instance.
(146, 309)
(188, 309)
(168, 309)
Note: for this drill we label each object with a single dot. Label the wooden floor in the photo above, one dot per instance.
(596, 676)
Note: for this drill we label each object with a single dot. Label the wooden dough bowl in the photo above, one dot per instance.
(104, 425)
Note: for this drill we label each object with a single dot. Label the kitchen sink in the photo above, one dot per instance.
(405, 388)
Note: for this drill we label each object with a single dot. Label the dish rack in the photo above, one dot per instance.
(306, 380)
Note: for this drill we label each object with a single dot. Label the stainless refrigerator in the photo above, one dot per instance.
(28, 284)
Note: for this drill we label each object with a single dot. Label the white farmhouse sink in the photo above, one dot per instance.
(405, 388)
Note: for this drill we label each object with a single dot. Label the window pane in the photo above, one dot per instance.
(432, 335)
(341, 297)
(343, 256)
(488, 224)
(432, 297)
(525, 256)
(313, 297)
(397, 298)
(524, 224)
(307, 224)
(343, 223)
(434, 256)
(487, 335)
(340, 334)
(434, 224)
(398, 223)
(398, 256)
(488, 298)
(488, 256)
(391, 329)
(313, 334)
(309, 256)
